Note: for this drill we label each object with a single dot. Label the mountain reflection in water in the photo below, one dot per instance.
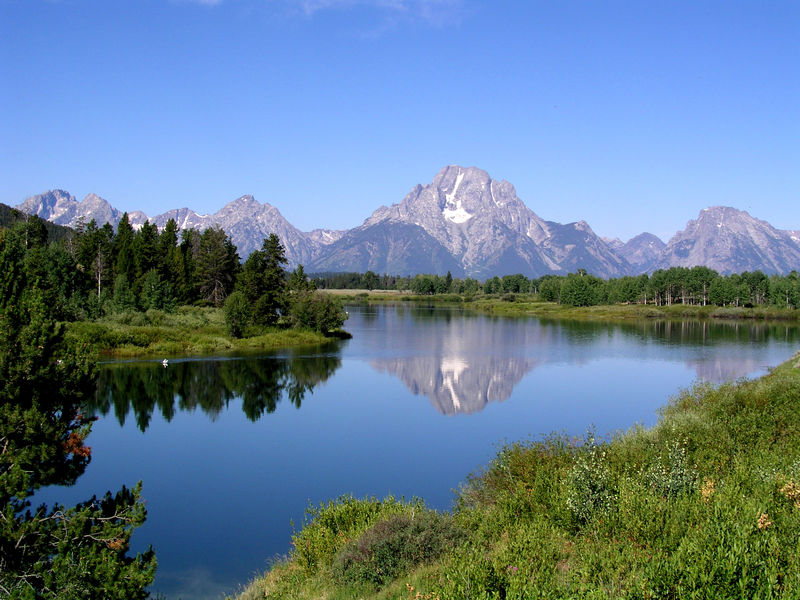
(459, 385)
(209, 385)
(462, 364)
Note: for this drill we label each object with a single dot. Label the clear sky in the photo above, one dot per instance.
(630, 115)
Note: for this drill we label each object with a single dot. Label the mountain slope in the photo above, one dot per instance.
(469, 224)
(642, 251)
(731, 241)
(490, 231)
(61, 208)
(248, 222)
(397, 248)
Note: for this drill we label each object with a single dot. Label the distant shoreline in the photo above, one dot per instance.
(527, 305)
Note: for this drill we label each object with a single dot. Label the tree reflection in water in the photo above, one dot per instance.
(208, 385)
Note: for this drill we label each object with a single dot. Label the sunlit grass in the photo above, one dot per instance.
(187, 331)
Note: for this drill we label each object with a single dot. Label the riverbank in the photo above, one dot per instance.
(528, 305)
(189, 331)
(704, 504)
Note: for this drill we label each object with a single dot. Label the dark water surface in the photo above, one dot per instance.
(231, 450)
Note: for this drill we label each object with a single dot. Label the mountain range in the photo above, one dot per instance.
(469, 224)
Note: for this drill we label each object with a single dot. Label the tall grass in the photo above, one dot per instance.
(706, 504)
(187, 331)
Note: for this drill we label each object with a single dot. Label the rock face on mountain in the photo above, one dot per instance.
(248, 222)
(642, 251)
(469, 224)
(731, 241)
(62, 208)
(397, 248)
(486, 229)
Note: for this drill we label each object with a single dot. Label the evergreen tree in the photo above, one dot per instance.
(216, 266)
(124, 299)
(54, 552)
(299, 282)
(156, 293)
(169, 254)
(124, 262)
(263, 281)
(186, 286)
(145, 253)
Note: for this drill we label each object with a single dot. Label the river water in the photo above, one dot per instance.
(232, 450)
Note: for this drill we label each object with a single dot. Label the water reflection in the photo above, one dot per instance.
(458, 384)
(461, 362)
(209, 385)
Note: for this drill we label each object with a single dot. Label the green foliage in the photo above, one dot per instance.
(329, 526)
(156, 293)
(263, 282)
(57, 552)
(299, 281)
(675, 476)
(238, 314)
(216, 266)
(316, 311)
(590, 482)
(582, 290)
(394, 546)
(124, 299)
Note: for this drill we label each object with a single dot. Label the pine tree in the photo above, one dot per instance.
(217, 265)
(53, 552)
(124, 262)
(263, 281)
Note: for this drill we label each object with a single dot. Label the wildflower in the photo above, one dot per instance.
(792, 492)
(707, 489)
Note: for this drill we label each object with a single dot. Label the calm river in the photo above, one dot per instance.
(231, 450)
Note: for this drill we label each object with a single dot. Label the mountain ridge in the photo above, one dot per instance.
(469, 224)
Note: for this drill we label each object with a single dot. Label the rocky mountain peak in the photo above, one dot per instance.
(642, 251)
(730, 240)
(465, 222)
(54, 205)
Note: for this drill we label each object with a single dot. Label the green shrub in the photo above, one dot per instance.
(328, 527)
(238, 314)
(674, 478)
(316, 311)
(394, 546)
(590, 484)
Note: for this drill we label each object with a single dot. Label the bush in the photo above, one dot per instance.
(674, 478)
(237, 314)
(320, 312)
(590, 483)
(394, 546)
(330, 526)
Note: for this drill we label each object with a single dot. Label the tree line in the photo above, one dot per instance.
(100, 271)
(45, 379)
(676, 285)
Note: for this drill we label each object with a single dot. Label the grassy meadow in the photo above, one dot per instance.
(186, 331)
(705, 504)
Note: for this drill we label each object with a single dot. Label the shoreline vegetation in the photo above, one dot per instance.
(530, 305)
(705, 504)
(187, 331)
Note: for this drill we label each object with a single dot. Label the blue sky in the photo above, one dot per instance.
(630, 115)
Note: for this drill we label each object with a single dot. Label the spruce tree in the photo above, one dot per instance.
(55, 552)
